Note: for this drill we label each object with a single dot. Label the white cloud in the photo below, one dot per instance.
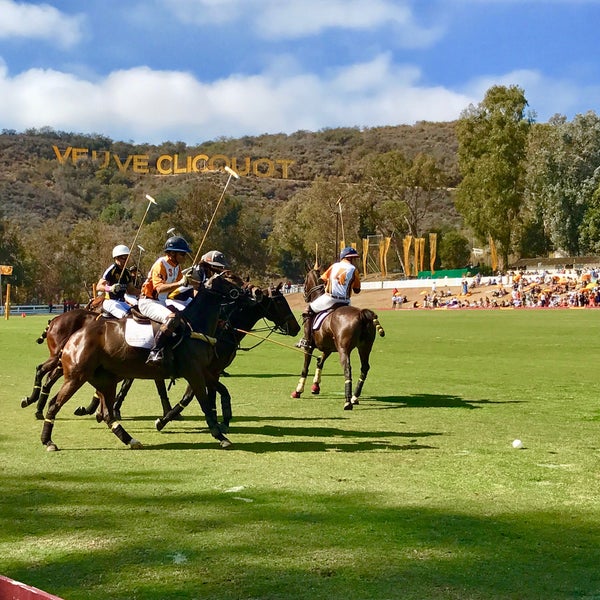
(156, 106)
(292, 19)
(39, 21)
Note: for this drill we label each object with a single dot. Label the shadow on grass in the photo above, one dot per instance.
(96, 541)
(436, 401)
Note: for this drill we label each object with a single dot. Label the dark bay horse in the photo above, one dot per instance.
(56, 334)
(269, 304)
(343, 329)
(98, 354)
(234, 320)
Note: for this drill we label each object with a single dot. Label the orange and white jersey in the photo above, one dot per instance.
(342, 278)
(162, 271)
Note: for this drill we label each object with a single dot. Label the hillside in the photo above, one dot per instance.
(36, 184)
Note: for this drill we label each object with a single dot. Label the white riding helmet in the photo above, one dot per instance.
(120, 250)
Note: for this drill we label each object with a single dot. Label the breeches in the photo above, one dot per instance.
(116, 308)
(324, 302)
(154, 310)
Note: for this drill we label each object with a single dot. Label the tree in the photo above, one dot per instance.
(563, 159)
(454, 251)
(492, 141)
(407, 188)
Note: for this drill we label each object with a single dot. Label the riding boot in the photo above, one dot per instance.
(307, 319)
(163, 336)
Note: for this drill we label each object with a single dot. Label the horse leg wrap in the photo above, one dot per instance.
(118, 430)
(359, 387)
(300, 386)
(47, 431)
(174, 412)
(317, 377)
(348, 389)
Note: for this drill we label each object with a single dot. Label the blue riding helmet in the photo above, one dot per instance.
(176, 244)
(348, 252)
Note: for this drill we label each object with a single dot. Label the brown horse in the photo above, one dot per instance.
(98, 354)
(56, 334)
(343, 329)
(235, 319)
(268, 304)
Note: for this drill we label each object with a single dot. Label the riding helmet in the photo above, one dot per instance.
(348, 252)
(177, 244)
(120, 250)
(214, 258)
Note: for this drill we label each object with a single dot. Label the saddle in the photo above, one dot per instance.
(320, 316)
(138, 317)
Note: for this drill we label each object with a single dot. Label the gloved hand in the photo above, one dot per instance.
(118, 287)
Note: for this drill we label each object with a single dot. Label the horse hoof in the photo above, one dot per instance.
(99, 417)
(295, 394)
(315, 389)
(159, 424)
(135, 444)
(80, 411)
(25, 403)
(39, 416)
(51, 447)
(355, 401)
(225, 444)
(348, 406)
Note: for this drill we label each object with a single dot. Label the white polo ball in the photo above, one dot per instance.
(518, 444)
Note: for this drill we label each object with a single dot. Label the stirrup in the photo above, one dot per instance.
(303, 343)
(155, 357)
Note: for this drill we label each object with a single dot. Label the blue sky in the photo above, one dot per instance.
(194, 70)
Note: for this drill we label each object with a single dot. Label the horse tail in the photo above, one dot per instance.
(44, 335)
(369, 316)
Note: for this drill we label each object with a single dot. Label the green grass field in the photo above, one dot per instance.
(416, 494)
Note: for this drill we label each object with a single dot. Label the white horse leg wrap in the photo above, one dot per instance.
(300, 386)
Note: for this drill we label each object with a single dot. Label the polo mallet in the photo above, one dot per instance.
(232, 173)
(151, 200)
(139, 263)
(339, 203)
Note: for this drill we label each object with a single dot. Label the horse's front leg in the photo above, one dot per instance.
(302, 381)
(226, 411)
(345, 362)
(316, 386)
(209, 408)
(175, 412)
(165, 403)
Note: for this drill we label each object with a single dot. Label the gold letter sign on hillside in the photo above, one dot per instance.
(177, 164)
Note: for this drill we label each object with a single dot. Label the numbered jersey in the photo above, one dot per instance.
(342, 278)
(162, 271)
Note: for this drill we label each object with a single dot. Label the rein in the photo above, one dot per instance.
(268, 328)
(316, 288)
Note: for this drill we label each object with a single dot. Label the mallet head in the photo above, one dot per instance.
(150, 199)
(232, 172)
